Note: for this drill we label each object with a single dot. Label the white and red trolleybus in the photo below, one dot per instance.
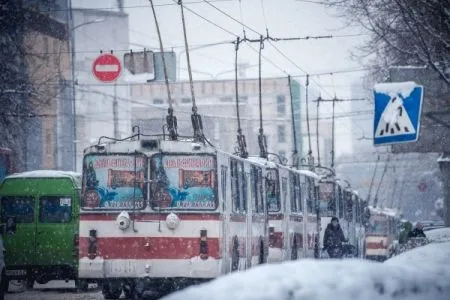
(292, 219)
(381, 234)
(161, 214)
(337, 199)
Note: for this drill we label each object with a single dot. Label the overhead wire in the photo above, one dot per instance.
(275, 47)
(131, 6)
(209, 21)
(230, 16)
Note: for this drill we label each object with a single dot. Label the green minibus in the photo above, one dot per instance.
(39, 214)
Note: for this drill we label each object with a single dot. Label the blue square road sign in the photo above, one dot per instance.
(398, 107)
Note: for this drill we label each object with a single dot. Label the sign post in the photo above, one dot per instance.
(106, 68)
(398, 108)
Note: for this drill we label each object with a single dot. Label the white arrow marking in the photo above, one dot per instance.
(107, 68)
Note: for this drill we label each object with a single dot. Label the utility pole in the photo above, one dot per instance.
(333, 126)
(116, 113)
(294, 134)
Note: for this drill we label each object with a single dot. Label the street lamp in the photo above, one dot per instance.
(72, 29)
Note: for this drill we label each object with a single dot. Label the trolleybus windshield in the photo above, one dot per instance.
(185, 182)
(378, 225)
(112, 182)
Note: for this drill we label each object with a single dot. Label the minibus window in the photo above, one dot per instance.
(20, 207)
(55, 209)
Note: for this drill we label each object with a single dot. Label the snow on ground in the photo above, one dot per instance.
(336, 279)
(438, 235)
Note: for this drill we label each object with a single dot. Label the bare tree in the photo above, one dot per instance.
(404, 32)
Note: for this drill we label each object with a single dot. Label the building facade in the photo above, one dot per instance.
(49, 140)
(215, 100)
(102, 109)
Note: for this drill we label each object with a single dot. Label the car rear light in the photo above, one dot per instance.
(92, 251)
(203, 244)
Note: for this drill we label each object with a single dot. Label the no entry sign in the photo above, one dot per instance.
(106, 68)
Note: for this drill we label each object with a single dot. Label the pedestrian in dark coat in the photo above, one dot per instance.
(417, 232)
(333, 238)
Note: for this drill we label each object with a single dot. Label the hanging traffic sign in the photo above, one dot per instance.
(397, 112)
(106, 68)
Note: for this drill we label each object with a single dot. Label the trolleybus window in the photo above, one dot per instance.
(308, 188)
(327, 199)
(341, 202)
(296, 203)
(348, 206)
(183, 182)
(284, 189)
(19, 207)
(55, 209)
(257, 191)
(223, 171)
(273, 191)
(113, 182)
(238, 186)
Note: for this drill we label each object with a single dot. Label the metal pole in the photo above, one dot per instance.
(332, 135)
(115, 113)
(74, 109)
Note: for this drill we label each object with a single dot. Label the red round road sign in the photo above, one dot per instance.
(106, 68)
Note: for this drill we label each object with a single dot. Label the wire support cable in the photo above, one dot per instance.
(262, 141)
(171, 120)
(242, 145)
(196, 119)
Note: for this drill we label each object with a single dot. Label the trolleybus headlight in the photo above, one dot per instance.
(172, 221)
(92, 250)
(123, 220)
(203, 244)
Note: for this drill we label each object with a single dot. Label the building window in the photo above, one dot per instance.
(158, 101)
(281, 134)
(281, 105)
(226, 99)
(282, 154)
(243, 99)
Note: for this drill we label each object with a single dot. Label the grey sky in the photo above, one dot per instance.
(285, 18)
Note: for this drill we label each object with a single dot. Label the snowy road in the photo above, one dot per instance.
(55, 290)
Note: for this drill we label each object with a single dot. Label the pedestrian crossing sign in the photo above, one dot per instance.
(398, 106)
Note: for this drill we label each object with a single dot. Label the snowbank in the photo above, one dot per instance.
(395, 88)
(429, 260)
(337, 280)
(439, 235)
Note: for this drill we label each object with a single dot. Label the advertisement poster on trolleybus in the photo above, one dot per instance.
(184, 182)
(113, 182)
